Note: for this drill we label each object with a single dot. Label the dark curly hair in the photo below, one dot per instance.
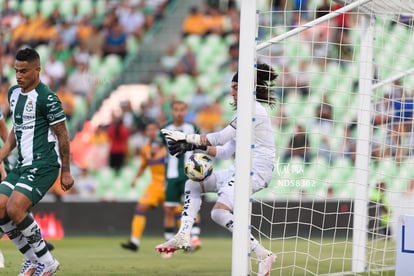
(265, 77)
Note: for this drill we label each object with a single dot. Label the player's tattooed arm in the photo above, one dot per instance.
(62, 134)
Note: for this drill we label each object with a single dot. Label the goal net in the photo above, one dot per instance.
(343, 132)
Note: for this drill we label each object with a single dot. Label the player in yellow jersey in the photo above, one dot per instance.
(152, 157)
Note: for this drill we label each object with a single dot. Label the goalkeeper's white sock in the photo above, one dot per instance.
(191, 206)
(225, 218)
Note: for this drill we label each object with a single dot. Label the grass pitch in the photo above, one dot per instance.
(89, 256)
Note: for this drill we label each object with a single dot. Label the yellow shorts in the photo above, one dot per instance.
(154, 194)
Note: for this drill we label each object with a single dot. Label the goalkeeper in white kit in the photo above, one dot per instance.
(222, 145)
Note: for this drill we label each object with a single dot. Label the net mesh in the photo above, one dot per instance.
(305, 215)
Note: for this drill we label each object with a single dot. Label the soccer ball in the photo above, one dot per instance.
(198, 167)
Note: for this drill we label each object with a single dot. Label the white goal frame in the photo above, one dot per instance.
(247, 60)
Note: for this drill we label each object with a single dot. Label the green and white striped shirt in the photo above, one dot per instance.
(33, 113)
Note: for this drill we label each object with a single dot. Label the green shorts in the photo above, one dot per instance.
(174, 191)
(33, 182)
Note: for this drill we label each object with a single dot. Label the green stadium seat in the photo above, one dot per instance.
(85, 7)
(113, 63)
(387, 170)
(341, 170)
(132, 45)
(66, 7)
(194, 42)
(105, 177)
(183, 87)
(47, 7)
(95, 63)
(29, 7)
(44, 52)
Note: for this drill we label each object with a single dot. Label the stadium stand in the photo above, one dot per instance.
(173, 74)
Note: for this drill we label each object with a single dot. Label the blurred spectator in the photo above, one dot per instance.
(55, 69)
(118, 135)
(215, 21)
(86, 184)
(234, 52)
(99, 148)
(152, 109)
(324, 116)
(285, 82)
(62, 53)
(67, 98)
(94, 43)
(383, 111)
(298, 146)
(396, 90)
(129, 117)
(74, 17)
(4, 103)
(323, 9)
(132, 20)
(280, 118)
(381, 209)
(81, 54)
(403, 108)
(84, 29)
(209, 118)
(110, 19)
(198, 100)
(68, 34)
(115, 41)
(46, 33)
(344, 45)
(349, 142)
(194, 23)
(303, 78)
(330, 193)
(7, 15)
(22, 33)
(301, 6)
(187, 64)
(169, 61)
(82, 82)
(56, 17)
(325, 150)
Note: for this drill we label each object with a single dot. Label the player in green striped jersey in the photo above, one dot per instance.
(39, 133)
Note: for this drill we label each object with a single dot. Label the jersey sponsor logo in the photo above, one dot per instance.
(23, 127)
(28, 117)
(52, 117)
(51, 104)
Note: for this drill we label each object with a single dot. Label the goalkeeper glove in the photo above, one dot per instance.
(181, 136)
(180, 148)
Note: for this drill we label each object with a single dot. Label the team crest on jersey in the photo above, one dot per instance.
(29, 106)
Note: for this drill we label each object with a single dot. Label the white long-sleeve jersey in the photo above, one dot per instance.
(264, 147)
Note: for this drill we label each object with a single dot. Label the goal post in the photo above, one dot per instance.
(241, 234)
(332, 208)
